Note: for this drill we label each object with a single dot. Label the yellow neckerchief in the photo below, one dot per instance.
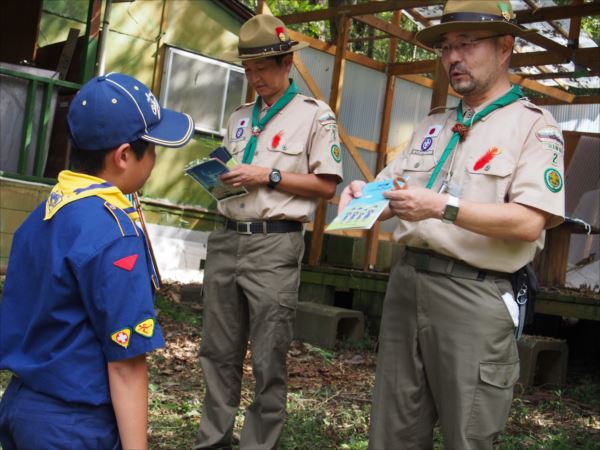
(73, 186)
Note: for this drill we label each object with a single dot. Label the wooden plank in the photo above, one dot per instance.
(557, 12)
(390, 28)
(439, 96)
(584, 56)
(558, 75)
(364, 143)
(550, 91)
(331, 49)
(384, 131)
(371, 7)
(344, 136)
(551, 265)
(335, 99)
(579, 100)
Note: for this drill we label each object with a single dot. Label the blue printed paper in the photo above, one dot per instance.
(363, 211)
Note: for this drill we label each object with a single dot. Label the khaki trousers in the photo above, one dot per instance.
(446, 352)
(250, 292)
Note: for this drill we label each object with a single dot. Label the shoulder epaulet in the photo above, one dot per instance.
(440, 109)
(528, 104)
(126, 226)
(313, 101)
(243, 105)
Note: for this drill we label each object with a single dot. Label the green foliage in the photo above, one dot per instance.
(176, 312)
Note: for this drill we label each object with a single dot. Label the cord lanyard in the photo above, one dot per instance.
(461, 128)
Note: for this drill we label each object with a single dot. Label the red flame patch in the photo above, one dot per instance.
(276, 140)
(486, 158)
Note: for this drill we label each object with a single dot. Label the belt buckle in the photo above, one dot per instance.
(241, 231)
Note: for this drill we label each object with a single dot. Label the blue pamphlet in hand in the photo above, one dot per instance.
(363, 211)
(206, 173)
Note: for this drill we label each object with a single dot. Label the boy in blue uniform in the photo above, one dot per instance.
(77, 315)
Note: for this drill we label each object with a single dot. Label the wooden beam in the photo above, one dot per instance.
(578, 100)
(361, 9)
(557, 12)
(439, 95)
(391, 29)
(584, 56)
(331, 49)
(344, 136)
(558, 75)
(550, 91)
(339, 65)
(335, 99)
(384, 131)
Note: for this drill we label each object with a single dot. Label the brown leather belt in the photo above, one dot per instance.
(264, 226)
(428, 261)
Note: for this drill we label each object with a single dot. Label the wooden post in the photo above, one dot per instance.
(439, 94)
(335, 98)
(373, 235)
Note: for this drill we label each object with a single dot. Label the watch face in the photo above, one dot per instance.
(275, 176)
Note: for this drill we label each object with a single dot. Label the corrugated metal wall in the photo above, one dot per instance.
(583, 118)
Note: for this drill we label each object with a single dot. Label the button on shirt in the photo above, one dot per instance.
(75, 299)
(515, 154)
(301, 138)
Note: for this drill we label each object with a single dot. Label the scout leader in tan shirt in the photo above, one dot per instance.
(301, 139)
(289, 152)
(484, 181)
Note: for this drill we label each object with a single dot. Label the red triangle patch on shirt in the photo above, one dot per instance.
(127, 263)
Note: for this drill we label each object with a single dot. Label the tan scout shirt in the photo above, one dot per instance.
(301, 138)
(515, 154)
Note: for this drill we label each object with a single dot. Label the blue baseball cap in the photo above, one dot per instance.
(116, 109)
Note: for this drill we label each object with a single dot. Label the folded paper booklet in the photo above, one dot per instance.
(363, 211)
(206, 173)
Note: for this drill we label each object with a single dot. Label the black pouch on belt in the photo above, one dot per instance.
(525, 286)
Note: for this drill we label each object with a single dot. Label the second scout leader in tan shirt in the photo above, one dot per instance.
(289, 154)
(302, 138)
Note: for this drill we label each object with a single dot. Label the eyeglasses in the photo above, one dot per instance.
(464, 46)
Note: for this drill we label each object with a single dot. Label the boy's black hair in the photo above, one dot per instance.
(91, 162)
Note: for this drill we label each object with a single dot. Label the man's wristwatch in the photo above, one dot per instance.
(451, 209)
(274, 178)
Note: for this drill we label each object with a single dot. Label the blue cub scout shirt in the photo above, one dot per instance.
(78, 294)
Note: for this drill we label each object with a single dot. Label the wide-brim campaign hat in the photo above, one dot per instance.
(116, 109)
(473, 15)
(262, 36)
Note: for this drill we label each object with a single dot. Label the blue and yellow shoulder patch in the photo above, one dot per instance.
(126, 226)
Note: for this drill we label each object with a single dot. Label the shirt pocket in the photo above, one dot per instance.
(418, 168)
(286, 157)
(490, 180)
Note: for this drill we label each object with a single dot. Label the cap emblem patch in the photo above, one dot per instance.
(154, 106)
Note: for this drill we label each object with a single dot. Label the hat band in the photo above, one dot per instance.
(247, 51)
(472, 17)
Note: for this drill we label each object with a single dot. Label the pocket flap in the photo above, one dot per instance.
(502, 375)
(289, 148)
(499, 166)
(288, 299)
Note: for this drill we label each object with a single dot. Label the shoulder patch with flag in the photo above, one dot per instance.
(127, 263)
(145, 327)
(121, 337)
